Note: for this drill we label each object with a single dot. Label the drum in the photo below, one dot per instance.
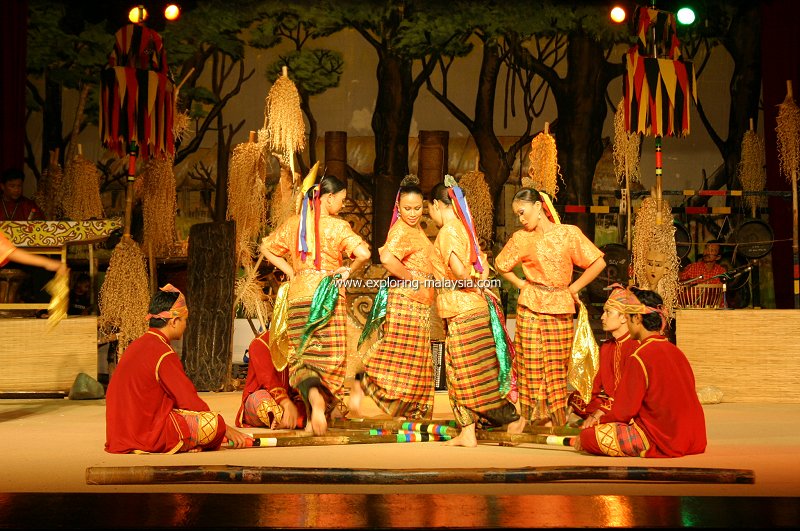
(683, 240)
(700, 296)
(753, 239)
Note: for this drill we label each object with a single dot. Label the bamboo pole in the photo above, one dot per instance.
(416, 476)
(395, 425)
(523, 438)
(355, 438)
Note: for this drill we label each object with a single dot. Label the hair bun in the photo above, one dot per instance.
(410, 180)
(527, 182)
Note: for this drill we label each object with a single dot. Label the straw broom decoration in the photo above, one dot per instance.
(788, 139)
(544, 170)
(159, 205)
(751, 167)
(247, 195)
(82, 189)
(50, 192)
(283, 120)
(626, 161)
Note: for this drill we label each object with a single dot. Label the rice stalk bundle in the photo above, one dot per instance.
(81, 199)
(249, 292)
(751, 170)
(286, 130)
(626, 149)
(285, 200)
(159, 205)
(50, 190)
(544, 170)
(247, 195)
(125, 294)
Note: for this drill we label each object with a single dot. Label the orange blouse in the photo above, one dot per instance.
(453, 239)
(412, 247)
(547, 261)
(336, 238)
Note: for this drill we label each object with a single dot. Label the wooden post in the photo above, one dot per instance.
(336, 154)
(432, 161)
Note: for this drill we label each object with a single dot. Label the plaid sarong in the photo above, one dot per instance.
(543, 344)
(324, 355)
(398, 369)
(614, 439)
(205, 429)
(472, 368)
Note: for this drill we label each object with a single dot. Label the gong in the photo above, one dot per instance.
(683, 240)
(753, 239)
(618, 260)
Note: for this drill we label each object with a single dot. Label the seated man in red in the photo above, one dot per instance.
(151, 405)
(614, 354)
(656, 412)
(707, 270)
(267, 399)
(15, 206)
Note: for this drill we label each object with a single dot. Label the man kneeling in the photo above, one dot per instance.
(151, 405)
(656, 412)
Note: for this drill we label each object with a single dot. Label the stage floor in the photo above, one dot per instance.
(47, 444)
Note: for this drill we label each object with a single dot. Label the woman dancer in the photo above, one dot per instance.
(478, 384)
(398, 367)
(547, 251)
(308, 248)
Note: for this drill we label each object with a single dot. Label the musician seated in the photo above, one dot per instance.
(707, 270)
(16, 207)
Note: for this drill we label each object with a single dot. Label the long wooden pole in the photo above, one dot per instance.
(415, 476)
(795, 246)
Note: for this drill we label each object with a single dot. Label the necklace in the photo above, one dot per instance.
(10, 217)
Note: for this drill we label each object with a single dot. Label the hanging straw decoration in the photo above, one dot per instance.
(249, 291)
(82, 190)
(544, 169)
(652, 237)
(480, 202)
(50, 191)
(788, 139)
(159, 205)
(247, 195)
(283, 120)
(751, 171)
(626, 149)
(125, 294)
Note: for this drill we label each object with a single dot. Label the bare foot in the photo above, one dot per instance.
(576, 443)
(517, 426)
(318, 423)
(356, 395)
(466, 438)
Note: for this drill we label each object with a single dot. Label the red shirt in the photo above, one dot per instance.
(146, 386)
(614, 354)
(658, 394)
(262, 374)
(699, 268)
(23, 209)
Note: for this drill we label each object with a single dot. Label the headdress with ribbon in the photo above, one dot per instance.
(308, 228)
(178, 308)
(550, 210)
(625, 301)
(465, 216)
